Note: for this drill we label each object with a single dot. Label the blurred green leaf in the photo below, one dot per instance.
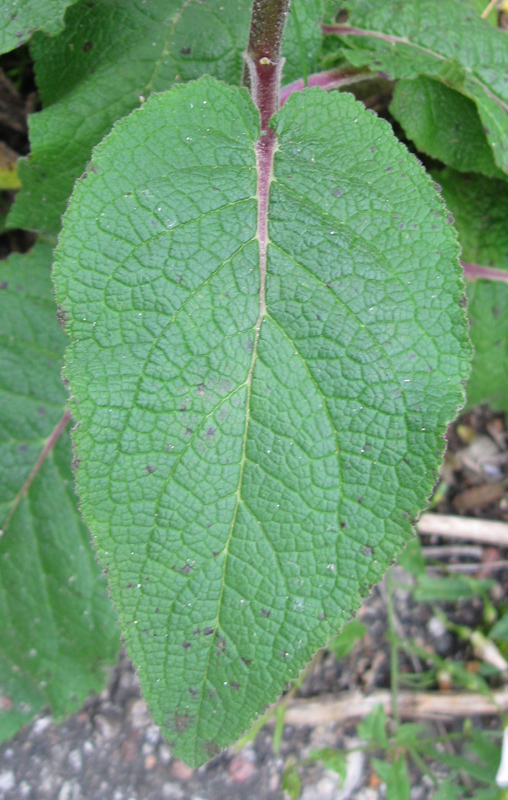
(373, 727)
(394, 774)
(411, 559)
(343, 643)
(449, 589)
(291, 782)
(331, 759)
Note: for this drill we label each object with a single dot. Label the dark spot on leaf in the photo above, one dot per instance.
(201, 389)
(188, 431)
(360, 500)
(208, 631)
(186, 569)
(495, 311)
(157, 610)
(284, 654)
(212, 749)
(246, 661)
(94, 168)
(210, 432)
(367, 551)
(183, 408)
(249, 346)
(84, 175)
(186, 51)
(41, 411)
(450, 219)
(196, 631)
(221, 643)
(4, 285)
(186, 645)
(403, 175)
(150, 468)
(389, 169)
(87, 47)
(322, 616)
(235, 685)
(193, 692)
(412, 356)
(373, 150)
(167, 447)
(337, 192)
(265, 612)
(23, 448)
(129, 586)
(343, 524)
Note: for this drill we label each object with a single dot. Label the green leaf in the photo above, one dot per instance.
(343, 642)
(411, 559)
(499, 630)
(291, 782)
(252, 451)
(58, 632)
(480, 210)
(373, 727)
(444, 124)
(448, 42)
(394, 774)
(331, 758)
(449, 790)
(19, 19)
(302, 39)
(449, 589)
(110, 57)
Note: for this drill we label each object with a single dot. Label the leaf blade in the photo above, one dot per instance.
(58, 631)
(235, 505)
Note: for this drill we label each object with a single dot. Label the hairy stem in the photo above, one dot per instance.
(263, 63)
(475, 272)
(330, 79)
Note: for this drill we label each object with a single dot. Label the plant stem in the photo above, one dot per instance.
(263, 64)
(394, 647)
(330, 79)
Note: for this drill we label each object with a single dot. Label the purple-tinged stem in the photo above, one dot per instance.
(475, 272)
(46, 450)
(348, 30)
(330, 79)
(263, 67)
(263, 63)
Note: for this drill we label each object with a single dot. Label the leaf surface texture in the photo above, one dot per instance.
(111, 56)
(19, 19)
(480, 210)
(58, 633)
(253, 447)
(448, 42)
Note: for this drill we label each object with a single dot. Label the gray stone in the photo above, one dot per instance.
(7, 781)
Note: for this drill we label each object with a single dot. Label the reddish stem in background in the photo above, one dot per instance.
(475, 272)
(331, 79)
(46, 450)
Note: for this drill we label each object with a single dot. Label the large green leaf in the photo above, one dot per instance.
(113, 55)
(447, 41)
(480, 209)
(444, 124)
(58, 631)
(252, 451)
(19, 19)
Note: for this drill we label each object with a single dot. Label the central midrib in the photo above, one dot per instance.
(265, 149)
